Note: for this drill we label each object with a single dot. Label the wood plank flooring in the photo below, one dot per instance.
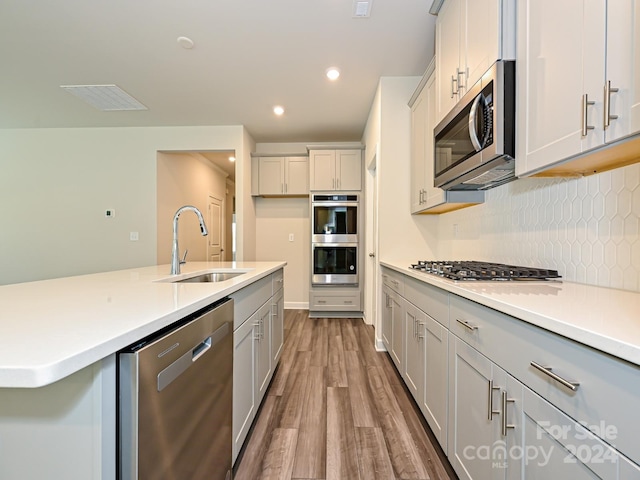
(337, 409)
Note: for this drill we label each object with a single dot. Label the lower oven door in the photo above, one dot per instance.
(334, 264)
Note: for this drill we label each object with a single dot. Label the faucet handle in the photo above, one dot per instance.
(184, 257)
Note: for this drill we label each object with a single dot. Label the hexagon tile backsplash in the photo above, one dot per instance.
(586, 228)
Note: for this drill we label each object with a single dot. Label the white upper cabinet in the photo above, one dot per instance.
(336, 169)
(623, 68)
(471, 35)
(282, 176)
(578, 81)
(425, 198)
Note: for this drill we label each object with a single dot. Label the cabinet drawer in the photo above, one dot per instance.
(334, 301)
(249, 299)
(277, 281)
(609, 389)
(393, 280)
(431, 300)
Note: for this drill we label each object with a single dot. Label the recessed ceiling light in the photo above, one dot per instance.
(105, 97)
(278, 110)
(185, 42)
(232, 159)
(333, 73)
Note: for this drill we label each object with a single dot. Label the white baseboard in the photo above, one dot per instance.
(296, 305)
(380, 346)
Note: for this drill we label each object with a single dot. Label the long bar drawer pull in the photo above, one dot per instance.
(573, 386)
(467, 325)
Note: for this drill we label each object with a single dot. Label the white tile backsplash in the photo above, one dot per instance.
(586, 228)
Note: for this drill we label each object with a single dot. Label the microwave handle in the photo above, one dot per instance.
(473, 134)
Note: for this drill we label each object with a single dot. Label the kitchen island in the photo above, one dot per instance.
(58, 344)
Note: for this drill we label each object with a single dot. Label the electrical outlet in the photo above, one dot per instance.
(109, 213)
(291, 237)
(133, 236)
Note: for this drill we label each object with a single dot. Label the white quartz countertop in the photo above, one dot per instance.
(52, 328)
(602, 318)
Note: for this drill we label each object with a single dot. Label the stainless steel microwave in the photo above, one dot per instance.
(475, 142)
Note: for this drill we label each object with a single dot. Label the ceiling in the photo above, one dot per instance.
(249, 56)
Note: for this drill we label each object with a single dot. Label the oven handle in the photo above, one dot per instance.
(316, 245)
(316, 203)
(472, 122)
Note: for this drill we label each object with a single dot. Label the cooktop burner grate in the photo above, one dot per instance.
(473, 270)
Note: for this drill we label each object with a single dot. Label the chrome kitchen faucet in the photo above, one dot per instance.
(175, 260)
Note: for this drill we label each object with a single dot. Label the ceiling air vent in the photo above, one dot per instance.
(362, 8)
(107, 98)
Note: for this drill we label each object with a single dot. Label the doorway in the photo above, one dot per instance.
(205, 180)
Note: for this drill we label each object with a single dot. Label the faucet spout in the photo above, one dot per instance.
(175, 251)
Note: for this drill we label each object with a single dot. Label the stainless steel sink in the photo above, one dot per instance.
(211, 277)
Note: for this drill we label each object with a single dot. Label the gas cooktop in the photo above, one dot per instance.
(472, 270)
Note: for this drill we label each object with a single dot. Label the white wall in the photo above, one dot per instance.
(185, 179)
(401, 235)
(56, 184)
(276, 218)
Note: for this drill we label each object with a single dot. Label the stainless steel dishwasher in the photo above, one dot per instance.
(175, 396)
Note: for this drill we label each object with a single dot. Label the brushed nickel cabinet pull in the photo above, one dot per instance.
(505, 426)
(467, 325)
(585, 104)
(454, 80)
(573, 386)
(461, 85)
(490, 411)
(607, 104)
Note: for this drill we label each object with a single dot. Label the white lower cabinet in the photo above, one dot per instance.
(258, 342)
(496, 416)
(386, 317)
(277, 326)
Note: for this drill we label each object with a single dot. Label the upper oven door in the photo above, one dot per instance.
(334, 221)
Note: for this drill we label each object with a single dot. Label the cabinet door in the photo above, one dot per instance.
(413, 373)
(322, 164)
(397, 331)
(447, 56)
(271, 176)
(244, 382)
(563, 448)
(434, 396)
(296, 180)
(387, 313)
(277, 326)
(348, 170)
(480, 39)
(623, 67)
(433, 196)
(471, 399)
(262, 323)
(419, 132)
(552, 81)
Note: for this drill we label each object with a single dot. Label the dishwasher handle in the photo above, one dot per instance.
(177, 368)
(200, 349)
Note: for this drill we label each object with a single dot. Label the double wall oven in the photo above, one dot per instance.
(334, 239)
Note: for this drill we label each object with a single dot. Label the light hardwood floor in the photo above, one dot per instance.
(337, 409)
